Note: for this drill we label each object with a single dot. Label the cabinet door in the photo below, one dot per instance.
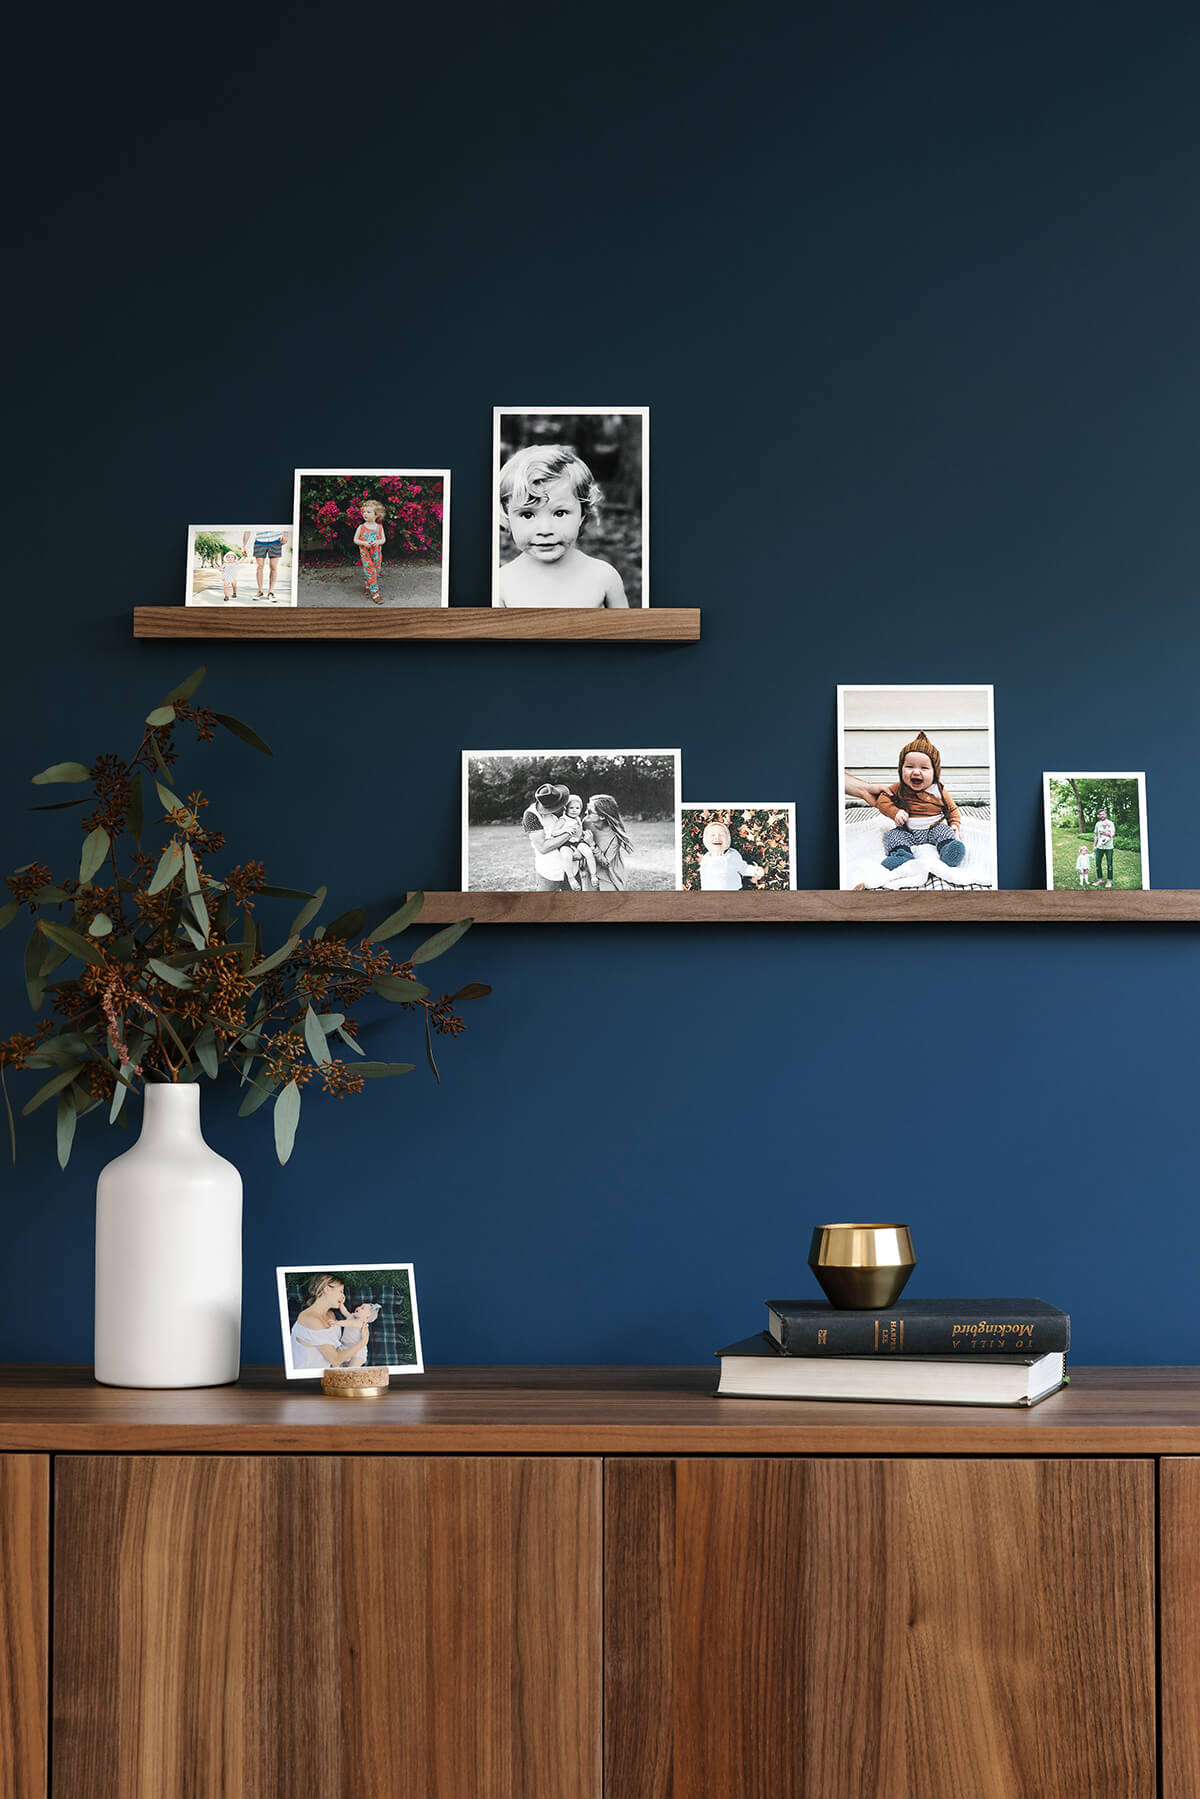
(858, 1629)
(267, 1626)
(1179, 1522)
(24, 1623)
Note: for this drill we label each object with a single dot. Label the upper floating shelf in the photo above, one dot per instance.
(1014, 906)
(443, 623)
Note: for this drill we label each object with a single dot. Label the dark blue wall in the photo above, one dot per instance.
(912, 294)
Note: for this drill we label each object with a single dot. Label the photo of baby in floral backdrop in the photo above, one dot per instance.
(372, 537)
(727, 849)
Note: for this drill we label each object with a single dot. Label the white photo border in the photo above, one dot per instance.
(643, 412)
(426, 474)
(788, 806)
(1107, 774)
(846, 687)
(677, 758)
(191, 551)
(281, 1274)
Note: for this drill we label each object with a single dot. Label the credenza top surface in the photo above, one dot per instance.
(581, 1411)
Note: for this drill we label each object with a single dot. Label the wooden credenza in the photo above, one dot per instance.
(561, 1583)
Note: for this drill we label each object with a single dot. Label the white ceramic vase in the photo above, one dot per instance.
(169, 1253)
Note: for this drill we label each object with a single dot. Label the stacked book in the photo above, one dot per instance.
(928, 1351)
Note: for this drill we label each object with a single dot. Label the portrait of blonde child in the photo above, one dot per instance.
(548, 497)
(229, 574)
(721, 868)
(370, 539)
(579, 856)
(1083, 865)
(357, 1329)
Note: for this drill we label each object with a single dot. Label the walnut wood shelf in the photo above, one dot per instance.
(439, 623)
(582, 1411)
(829, 906)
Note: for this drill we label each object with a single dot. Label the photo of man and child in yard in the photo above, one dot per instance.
(572, 508)
(375, 537)
(570, 821)
(1096, 831)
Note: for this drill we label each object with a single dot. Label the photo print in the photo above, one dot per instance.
(917, 787)
(1096, 831)
(570, 821)
(363, 1317)
(726, 849)
(239, 565)
(372, 537)
(572, 506)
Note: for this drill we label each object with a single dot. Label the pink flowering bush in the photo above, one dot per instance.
(331, 512)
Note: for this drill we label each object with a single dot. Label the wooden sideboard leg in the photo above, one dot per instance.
(1179, 1574)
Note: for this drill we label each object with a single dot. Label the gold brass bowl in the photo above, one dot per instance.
(862, 1267)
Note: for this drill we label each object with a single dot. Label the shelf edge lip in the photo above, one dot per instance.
(440, 624)
(829, 906)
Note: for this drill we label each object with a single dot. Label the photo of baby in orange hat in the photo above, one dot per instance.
(918, 803)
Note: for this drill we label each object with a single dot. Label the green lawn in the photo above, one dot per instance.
(502, 861)
(1127, 864)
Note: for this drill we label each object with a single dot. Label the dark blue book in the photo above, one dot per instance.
(919, 1327)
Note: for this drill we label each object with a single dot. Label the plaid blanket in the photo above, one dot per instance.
(393, 1342)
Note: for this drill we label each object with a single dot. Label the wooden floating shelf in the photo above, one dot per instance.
(646, 624)
(1014, 906)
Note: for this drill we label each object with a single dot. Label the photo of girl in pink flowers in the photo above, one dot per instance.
(372, 537)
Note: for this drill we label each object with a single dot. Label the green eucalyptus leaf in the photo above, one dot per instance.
(277, 892)
(244, 732)
(161, 715)
(49, 1088)
(346, 924)
(174, 977)
(314, 1037)
(329, 1021)
(192, 934)
(398, 990)
(163, 770)
(441, 941)
(206, 1051)
(169, 865)
(429, 1052)
(352, 1042)
(195, 892)
(273, 961)
(398, 921)
(51, 896)
(260, 1092)
(71, 941)
(95, 848)
(61, 805)
(61, 771)
(377, 1070)
(307, 913)
(118, 1100)
(100, 926)
(8, 913)
(169, 801)
(287, 1117)
(65, 1131)
(472, 990)
(187, 688)
(12, 1123)
(133, 813)
(35, 985)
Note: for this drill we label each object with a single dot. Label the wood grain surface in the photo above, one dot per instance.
(1179, 1574)
(868, 1629)
(268, 1627)
(24, 1624)
(583, 1411)
(639, 624)
(819, 906)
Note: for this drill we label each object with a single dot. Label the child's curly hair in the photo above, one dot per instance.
(379, 506)
(526, 474)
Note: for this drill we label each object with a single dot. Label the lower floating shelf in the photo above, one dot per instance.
(1014, 906)
(647, 624)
